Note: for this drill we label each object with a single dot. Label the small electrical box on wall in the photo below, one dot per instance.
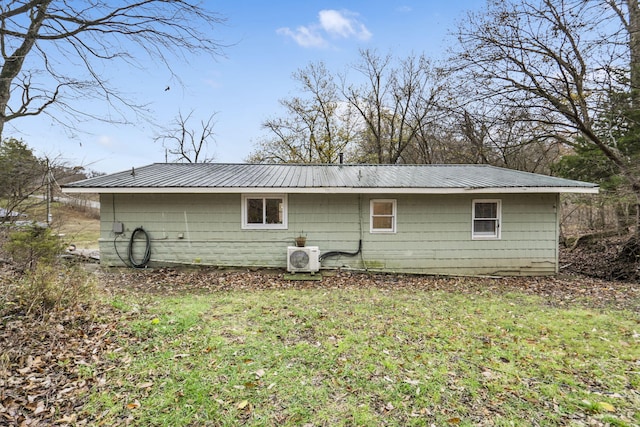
(118, 228)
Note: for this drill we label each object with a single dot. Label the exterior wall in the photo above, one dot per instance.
(433, 232)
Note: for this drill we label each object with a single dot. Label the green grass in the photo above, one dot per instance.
(369, 357)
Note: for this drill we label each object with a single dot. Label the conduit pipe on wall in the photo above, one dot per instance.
(341, 253)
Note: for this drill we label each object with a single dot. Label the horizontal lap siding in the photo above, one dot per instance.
(210, 226)
(434, 236)
(433, 232)
(328, 221)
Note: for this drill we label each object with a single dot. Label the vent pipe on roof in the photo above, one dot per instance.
(341, 157)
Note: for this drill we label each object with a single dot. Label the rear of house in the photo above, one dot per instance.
(431, 219)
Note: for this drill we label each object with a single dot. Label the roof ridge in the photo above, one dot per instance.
(330, 164)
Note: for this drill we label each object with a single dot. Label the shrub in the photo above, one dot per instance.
(31, 245)
(53, 287)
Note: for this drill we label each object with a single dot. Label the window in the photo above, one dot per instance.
(486, 219)
(383, 216)
(264, 212)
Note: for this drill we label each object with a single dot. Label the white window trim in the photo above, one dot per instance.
(498, 234)
(285, 212)
(394, 215)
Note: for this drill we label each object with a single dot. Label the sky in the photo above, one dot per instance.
(266, 42)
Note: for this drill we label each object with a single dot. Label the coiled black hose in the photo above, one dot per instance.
(147, 251)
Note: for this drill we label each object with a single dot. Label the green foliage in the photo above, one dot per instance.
(53, 287)
(589, 164)
(20, 169)
(31, 245)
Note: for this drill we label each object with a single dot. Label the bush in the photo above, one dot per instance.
(31, 245)
(44, 284)
(54, 287)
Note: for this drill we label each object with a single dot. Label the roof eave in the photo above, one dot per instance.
(328, 190)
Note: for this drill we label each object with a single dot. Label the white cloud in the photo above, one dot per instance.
(333, 23)
(304, 36)
(343, 24)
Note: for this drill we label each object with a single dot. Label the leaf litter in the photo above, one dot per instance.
(50, 365)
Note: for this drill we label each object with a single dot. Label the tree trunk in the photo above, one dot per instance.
(13, 63)
(634, 75)
(634, 52)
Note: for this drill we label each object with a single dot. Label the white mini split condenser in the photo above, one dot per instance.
(303, 259)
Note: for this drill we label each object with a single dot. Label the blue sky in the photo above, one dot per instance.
(268, 41)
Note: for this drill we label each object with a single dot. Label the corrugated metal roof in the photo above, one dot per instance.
(220, 177)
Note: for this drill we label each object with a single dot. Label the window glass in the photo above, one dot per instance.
(264, 212)
(383, 216)
(254, 211)
(382, 208)
(382, 223)
(484, 226)
(486, 219)
(486, 210)
(273, 211)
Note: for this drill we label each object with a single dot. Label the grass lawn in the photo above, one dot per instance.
(76, 227)
(373, 356)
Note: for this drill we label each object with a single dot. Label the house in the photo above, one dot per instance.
(432, 219)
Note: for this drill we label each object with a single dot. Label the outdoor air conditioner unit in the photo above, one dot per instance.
(305, 259)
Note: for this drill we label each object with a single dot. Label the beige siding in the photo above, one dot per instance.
(433, 232)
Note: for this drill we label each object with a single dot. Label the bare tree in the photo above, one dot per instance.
(187, 144)
(560, 60)
(317, 126)
(503, 136)
(40, 39)
(394, 104)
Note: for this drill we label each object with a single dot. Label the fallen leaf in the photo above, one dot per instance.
(145, 385)
(67, 419)
(260, 373)
(39, 409)
(133, 405)
(242, 404)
